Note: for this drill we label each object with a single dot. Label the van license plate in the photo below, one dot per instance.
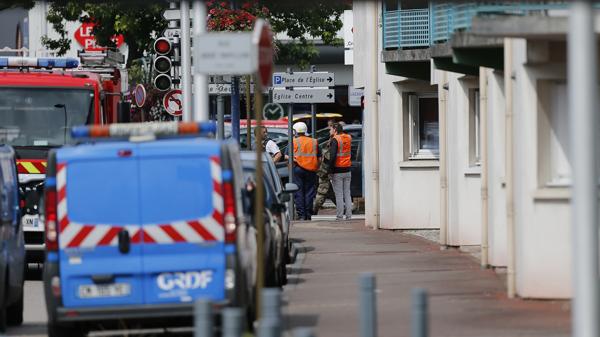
(104, 290)
(30, 221)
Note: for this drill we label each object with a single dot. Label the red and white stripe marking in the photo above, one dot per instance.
(76, 235)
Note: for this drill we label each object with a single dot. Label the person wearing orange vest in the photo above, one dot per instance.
(340, 149)
(306, 164)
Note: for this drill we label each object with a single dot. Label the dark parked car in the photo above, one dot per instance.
(12, 243)
(277, 216)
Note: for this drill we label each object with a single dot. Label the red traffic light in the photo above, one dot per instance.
(162, 46)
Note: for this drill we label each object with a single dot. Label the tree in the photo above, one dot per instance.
(316, 19)
(138, 22)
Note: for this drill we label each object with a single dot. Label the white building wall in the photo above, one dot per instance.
(366, 70)
(409, 188)
(542, 233)
(497, 248)
(39, 26)
(464, 180)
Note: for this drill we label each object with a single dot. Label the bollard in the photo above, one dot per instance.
(270, 318)
(303, 332)
(203, 318)
(420, 321)
(368, 306)
(233, 319)
(271, 303)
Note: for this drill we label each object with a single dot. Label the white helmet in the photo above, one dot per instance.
(300, 127)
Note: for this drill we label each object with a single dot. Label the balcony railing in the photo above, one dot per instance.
(414, 28)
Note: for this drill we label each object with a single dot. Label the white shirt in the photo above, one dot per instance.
(272, 148)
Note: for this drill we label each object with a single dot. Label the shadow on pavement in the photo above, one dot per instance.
(300, 321)
(28, 329)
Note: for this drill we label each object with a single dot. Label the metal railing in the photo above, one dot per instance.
(413, 28)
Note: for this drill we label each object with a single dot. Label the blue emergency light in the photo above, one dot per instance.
(34, 62)
(142, 129)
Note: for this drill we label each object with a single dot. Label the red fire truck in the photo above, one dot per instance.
(41, 99)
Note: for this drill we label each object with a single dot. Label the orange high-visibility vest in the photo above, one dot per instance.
(305, 153)
(344, 142)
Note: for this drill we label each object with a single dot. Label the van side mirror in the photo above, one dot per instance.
(290, 188)
(123, 112)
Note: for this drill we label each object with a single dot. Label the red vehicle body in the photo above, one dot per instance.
(37, 109)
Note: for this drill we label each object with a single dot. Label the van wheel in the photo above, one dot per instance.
(55, 330)
(14, 313)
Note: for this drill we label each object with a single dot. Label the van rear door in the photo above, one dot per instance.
(99, 222)
(183, 254)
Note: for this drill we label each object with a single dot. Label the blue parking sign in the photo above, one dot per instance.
(277, 79)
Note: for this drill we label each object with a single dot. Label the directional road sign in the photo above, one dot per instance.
(172, 14)
(304, 95)
(303, 79)
(273, 111)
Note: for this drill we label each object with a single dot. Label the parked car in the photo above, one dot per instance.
(163, 228)
(277, 217)
(12, 243)
(354, 130)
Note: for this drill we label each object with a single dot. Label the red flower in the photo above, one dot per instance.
(246, 5)
(223, 4)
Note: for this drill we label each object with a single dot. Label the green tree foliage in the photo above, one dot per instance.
(139, 21)
(6, 4)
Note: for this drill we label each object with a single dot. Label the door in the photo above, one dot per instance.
(99, 222)
(183, 252)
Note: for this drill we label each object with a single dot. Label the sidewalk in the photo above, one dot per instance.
(464, 300)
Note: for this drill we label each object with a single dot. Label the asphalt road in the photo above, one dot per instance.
(35, 317)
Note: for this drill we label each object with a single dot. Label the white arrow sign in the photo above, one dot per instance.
(172, 14)
(304, 95)
(303, 79)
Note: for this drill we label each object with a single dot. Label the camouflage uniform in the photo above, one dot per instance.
(324, 178)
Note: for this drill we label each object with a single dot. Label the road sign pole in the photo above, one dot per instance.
(248, 113)
(259, 198)
(220, 117)
(186, 68)
(200, 112)
(291, 155)
(313, 112)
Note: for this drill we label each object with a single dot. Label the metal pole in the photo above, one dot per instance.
(291, 155)
(248, 113)
(220, 117)
(186, 61)
(313, 111)
(235, 107)
(200, 80)
(420, 321)
(233, 319)
(583, 84)
(259, 198)
(270, 321)
(368, 305)
(203, 322)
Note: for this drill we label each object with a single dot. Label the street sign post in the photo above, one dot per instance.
(303, 79)
(304, 95)
(139, 95)
(273, 111)
(173, 102)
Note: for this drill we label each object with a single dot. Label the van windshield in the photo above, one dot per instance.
(42, 116)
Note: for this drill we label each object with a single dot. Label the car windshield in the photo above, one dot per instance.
(42, 116)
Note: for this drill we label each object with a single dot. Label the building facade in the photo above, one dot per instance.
(467, 118)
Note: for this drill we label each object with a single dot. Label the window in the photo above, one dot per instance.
(554, 166)
(424, 126)
(474, 128)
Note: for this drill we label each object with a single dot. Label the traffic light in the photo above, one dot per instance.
(163, 63)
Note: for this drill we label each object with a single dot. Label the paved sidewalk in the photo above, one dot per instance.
(465, 300)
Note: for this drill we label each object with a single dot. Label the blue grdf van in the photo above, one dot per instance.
(140, 226)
